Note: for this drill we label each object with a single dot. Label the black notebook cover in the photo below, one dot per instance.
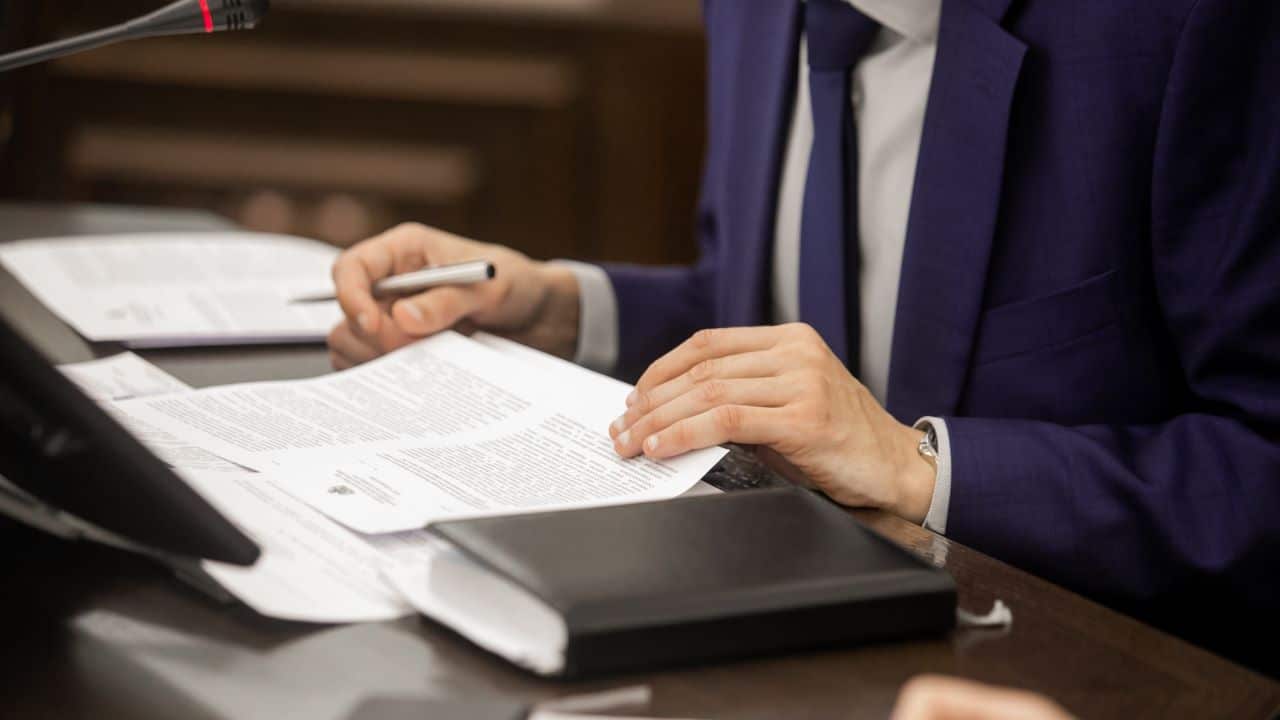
(710, 578)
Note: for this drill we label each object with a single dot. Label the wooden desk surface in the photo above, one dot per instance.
(91, 632)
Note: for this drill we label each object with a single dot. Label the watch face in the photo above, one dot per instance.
(929, 443)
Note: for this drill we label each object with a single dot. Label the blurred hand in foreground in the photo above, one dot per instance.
(933, 697)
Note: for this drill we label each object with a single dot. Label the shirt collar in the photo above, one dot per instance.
(914, 19)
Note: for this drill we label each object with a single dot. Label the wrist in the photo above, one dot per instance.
(917, 477)
(555, 323)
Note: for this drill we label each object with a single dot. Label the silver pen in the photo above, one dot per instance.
(467, 273)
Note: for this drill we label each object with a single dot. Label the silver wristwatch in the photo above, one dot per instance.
(928, 446)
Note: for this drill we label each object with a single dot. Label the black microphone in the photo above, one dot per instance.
(183, 17)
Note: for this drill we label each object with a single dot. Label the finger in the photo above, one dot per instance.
(338, 362)
(414, 246)
(727, 423)
(435, 310)
(756, 364)
(349, 348)
(401, 249)
(389, 335)
(756, 392)
(353, 276)
(411, 247)
(706, 344)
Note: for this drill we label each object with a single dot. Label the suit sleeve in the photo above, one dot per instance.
(1180, 518)
(660, 307)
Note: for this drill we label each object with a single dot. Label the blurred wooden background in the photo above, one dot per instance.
(565, 128)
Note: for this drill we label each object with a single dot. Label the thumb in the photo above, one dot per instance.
(434, 310)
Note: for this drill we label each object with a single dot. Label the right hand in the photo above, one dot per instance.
(531, 302)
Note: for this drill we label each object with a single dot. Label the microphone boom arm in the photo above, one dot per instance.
(178, 18)
(67, 46)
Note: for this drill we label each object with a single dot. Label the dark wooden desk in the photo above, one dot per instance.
(91, 632)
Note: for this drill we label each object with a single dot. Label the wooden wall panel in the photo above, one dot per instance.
(560, 127)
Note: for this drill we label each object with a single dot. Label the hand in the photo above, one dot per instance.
(531, 302)
(781, 388)
(940, 698)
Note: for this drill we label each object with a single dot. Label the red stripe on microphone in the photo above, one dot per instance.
(208, 16)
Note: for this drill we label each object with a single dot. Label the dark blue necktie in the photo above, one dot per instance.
(838, 36)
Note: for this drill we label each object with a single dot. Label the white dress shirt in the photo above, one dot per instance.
(889, 95)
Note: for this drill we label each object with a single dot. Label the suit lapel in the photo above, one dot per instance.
(763, 80)
(954, 207)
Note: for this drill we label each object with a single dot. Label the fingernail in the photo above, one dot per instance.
(631, 399)
(366, 322)
(651, 444)
(620, 424)
(624, 439)
(414, 312)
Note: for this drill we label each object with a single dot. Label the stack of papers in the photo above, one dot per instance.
(443, 429)
(335, 477)
(164, 290)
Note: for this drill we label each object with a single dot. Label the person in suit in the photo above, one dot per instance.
(1008, 269)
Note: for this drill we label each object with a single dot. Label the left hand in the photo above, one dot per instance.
(782, 388)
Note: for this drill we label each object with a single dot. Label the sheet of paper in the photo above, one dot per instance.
(555, 463)
(509, 621)
(311, 569)
(174, 451)
(592, 395)
(163, 289)
(445, 428)
(126, 376)
(121, 377)
(442, 388)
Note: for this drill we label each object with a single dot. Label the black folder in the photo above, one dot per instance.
(708, 578)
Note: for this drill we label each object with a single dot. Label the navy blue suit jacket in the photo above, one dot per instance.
(1090, 290)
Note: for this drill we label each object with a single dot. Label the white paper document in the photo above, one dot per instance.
(593, 395)
(510, 621)
(164, 289)
(443, 429)
(126, 376)
(176, 452)
(311, 569)
(121, 377)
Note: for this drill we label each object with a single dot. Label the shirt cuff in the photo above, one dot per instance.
(936, 519)
(598, 317)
